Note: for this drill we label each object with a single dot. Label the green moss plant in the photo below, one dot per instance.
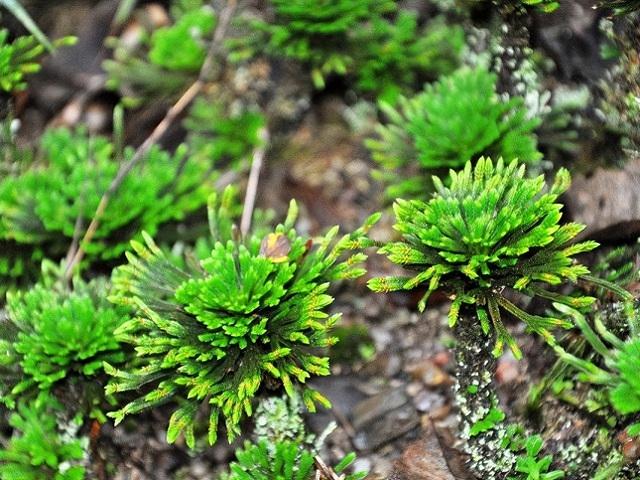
(394, 55)
(251, 314)
(490, 231)
(318, 33)
(457, 119)
(182, 46)
(164, 60)
(40, 207)
(60, 335)
(38, 450)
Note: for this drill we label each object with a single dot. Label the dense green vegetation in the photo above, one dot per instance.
(137, 283)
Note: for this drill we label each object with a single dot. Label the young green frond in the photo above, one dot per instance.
(491, 229)
(457, 119)
(37, 450)
(55, 333)
(251, 314)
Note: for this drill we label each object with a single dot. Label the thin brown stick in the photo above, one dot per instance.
(252, 184)
(155, 136)
(326, 473)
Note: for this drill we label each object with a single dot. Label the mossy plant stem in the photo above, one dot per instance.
(475, 397)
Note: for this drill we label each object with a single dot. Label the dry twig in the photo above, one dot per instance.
(252, 184)
(325, 472)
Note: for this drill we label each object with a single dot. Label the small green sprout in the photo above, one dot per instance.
(529, 467)
(488, 422)
(287, 461)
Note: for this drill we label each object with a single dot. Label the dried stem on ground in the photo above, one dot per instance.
(252, 185)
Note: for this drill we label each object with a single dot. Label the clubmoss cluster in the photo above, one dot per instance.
(250, 315)
(319, 36)
(55, 334)
(40, 207)
(492, 229)
(457, 119)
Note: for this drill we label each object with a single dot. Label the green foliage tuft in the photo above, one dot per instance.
(287, 461)
(620, 7)
(17, 59)
(182, 46)
(317, 34)
(457, 119)
(393, 55)
(492, 229)
(250, 314)
(37, 450)
(40, 206)
(530, 467)
(619, 374)
(162, 61)
(56, 334)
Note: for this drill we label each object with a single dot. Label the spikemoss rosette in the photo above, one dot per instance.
(317, 32)
(492, 229)
(40, 207)
(251, 314)
(56, 333)
(395, 55)
(457, 119)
